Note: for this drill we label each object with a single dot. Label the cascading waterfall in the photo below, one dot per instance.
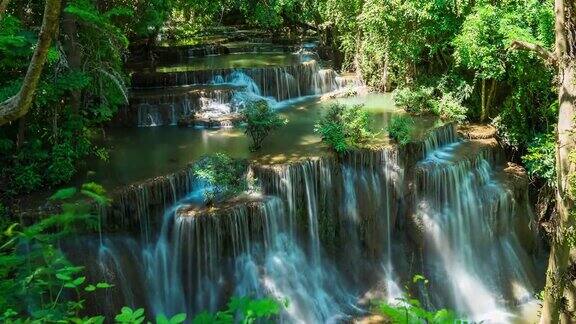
(158, 110)
(274, 84)
(263, 248)
(328, 234)
(470, 220)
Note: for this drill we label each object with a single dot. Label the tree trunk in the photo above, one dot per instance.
(483, 103)
(559, 294)
(21, 138)
(560, 285)
(18, 106)
(490, 98)
(73, 55)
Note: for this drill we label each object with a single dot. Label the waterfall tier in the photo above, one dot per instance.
(280, 82)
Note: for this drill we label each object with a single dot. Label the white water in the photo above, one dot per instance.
(280, 245)
(277, 85)
(468, 219)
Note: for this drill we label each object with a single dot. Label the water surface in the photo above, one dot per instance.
(137, 154)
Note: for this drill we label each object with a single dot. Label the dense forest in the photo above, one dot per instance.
(70, 70)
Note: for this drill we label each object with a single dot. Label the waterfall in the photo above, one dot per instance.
(328, 234)
(469, 219)
(165, 98)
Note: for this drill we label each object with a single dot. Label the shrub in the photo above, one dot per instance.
(26, 178)
(260, 120)
(416, 101)
(400, 129)
(343, 128)
(449, 108)
(540, 159)
(39, 284)
(408, 309)
(223, 175)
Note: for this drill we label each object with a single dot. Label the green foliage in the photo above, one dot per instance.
(239, 310)
(176, 319)
(224, 176)
(260, 120)
(540, 159)
(449, 108)
(129, 316)
(242, 310)
(454, 58)
(480, 46)
(45, 148)
(415, 101)
(37, 282)
(410, 311)
(400, 129)
(344, 128)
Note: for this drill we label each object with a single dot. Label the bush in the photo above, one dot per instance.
(408, 309)
(343, 128)
(26, 178)
(400, 129)
(540, 160)
(260, 120)
(38, 283)
(449, 108)
(416, 101)
(224, 176)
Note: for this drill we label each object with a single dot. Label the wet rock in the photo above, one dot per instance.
(477, 131)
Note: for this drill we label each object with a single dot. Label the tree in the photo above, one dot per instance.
(560, 298)
(223, 175)
(18, 105)
(480, 47)
(260, 120)
(344, 128)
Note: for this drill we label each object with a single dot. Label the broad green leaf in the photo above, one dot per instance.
(162, 319)
(63, 277)
(78, 281)
(103, 285)
(178, 318)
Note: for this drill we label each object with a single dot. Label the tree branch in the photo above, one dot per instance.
(18, 105)
(540, 51)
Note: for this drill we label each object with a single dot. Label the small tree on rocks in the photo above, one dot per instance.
(260, 120)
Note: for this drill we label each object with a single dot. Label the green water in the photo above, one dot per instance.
(137, 154)
(232, 61)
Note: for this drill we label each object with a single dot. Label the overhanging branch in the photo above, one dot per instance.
(540, 51)
(18, 106)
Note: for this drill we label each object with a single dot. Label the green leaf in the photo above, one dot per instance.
(63, 194)
(104, 285)
(70, 285)
(139, 312)
(418, 277)
(162, 319)
(63, 277)
(204, 318)
(90, 288)
(178, 318)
